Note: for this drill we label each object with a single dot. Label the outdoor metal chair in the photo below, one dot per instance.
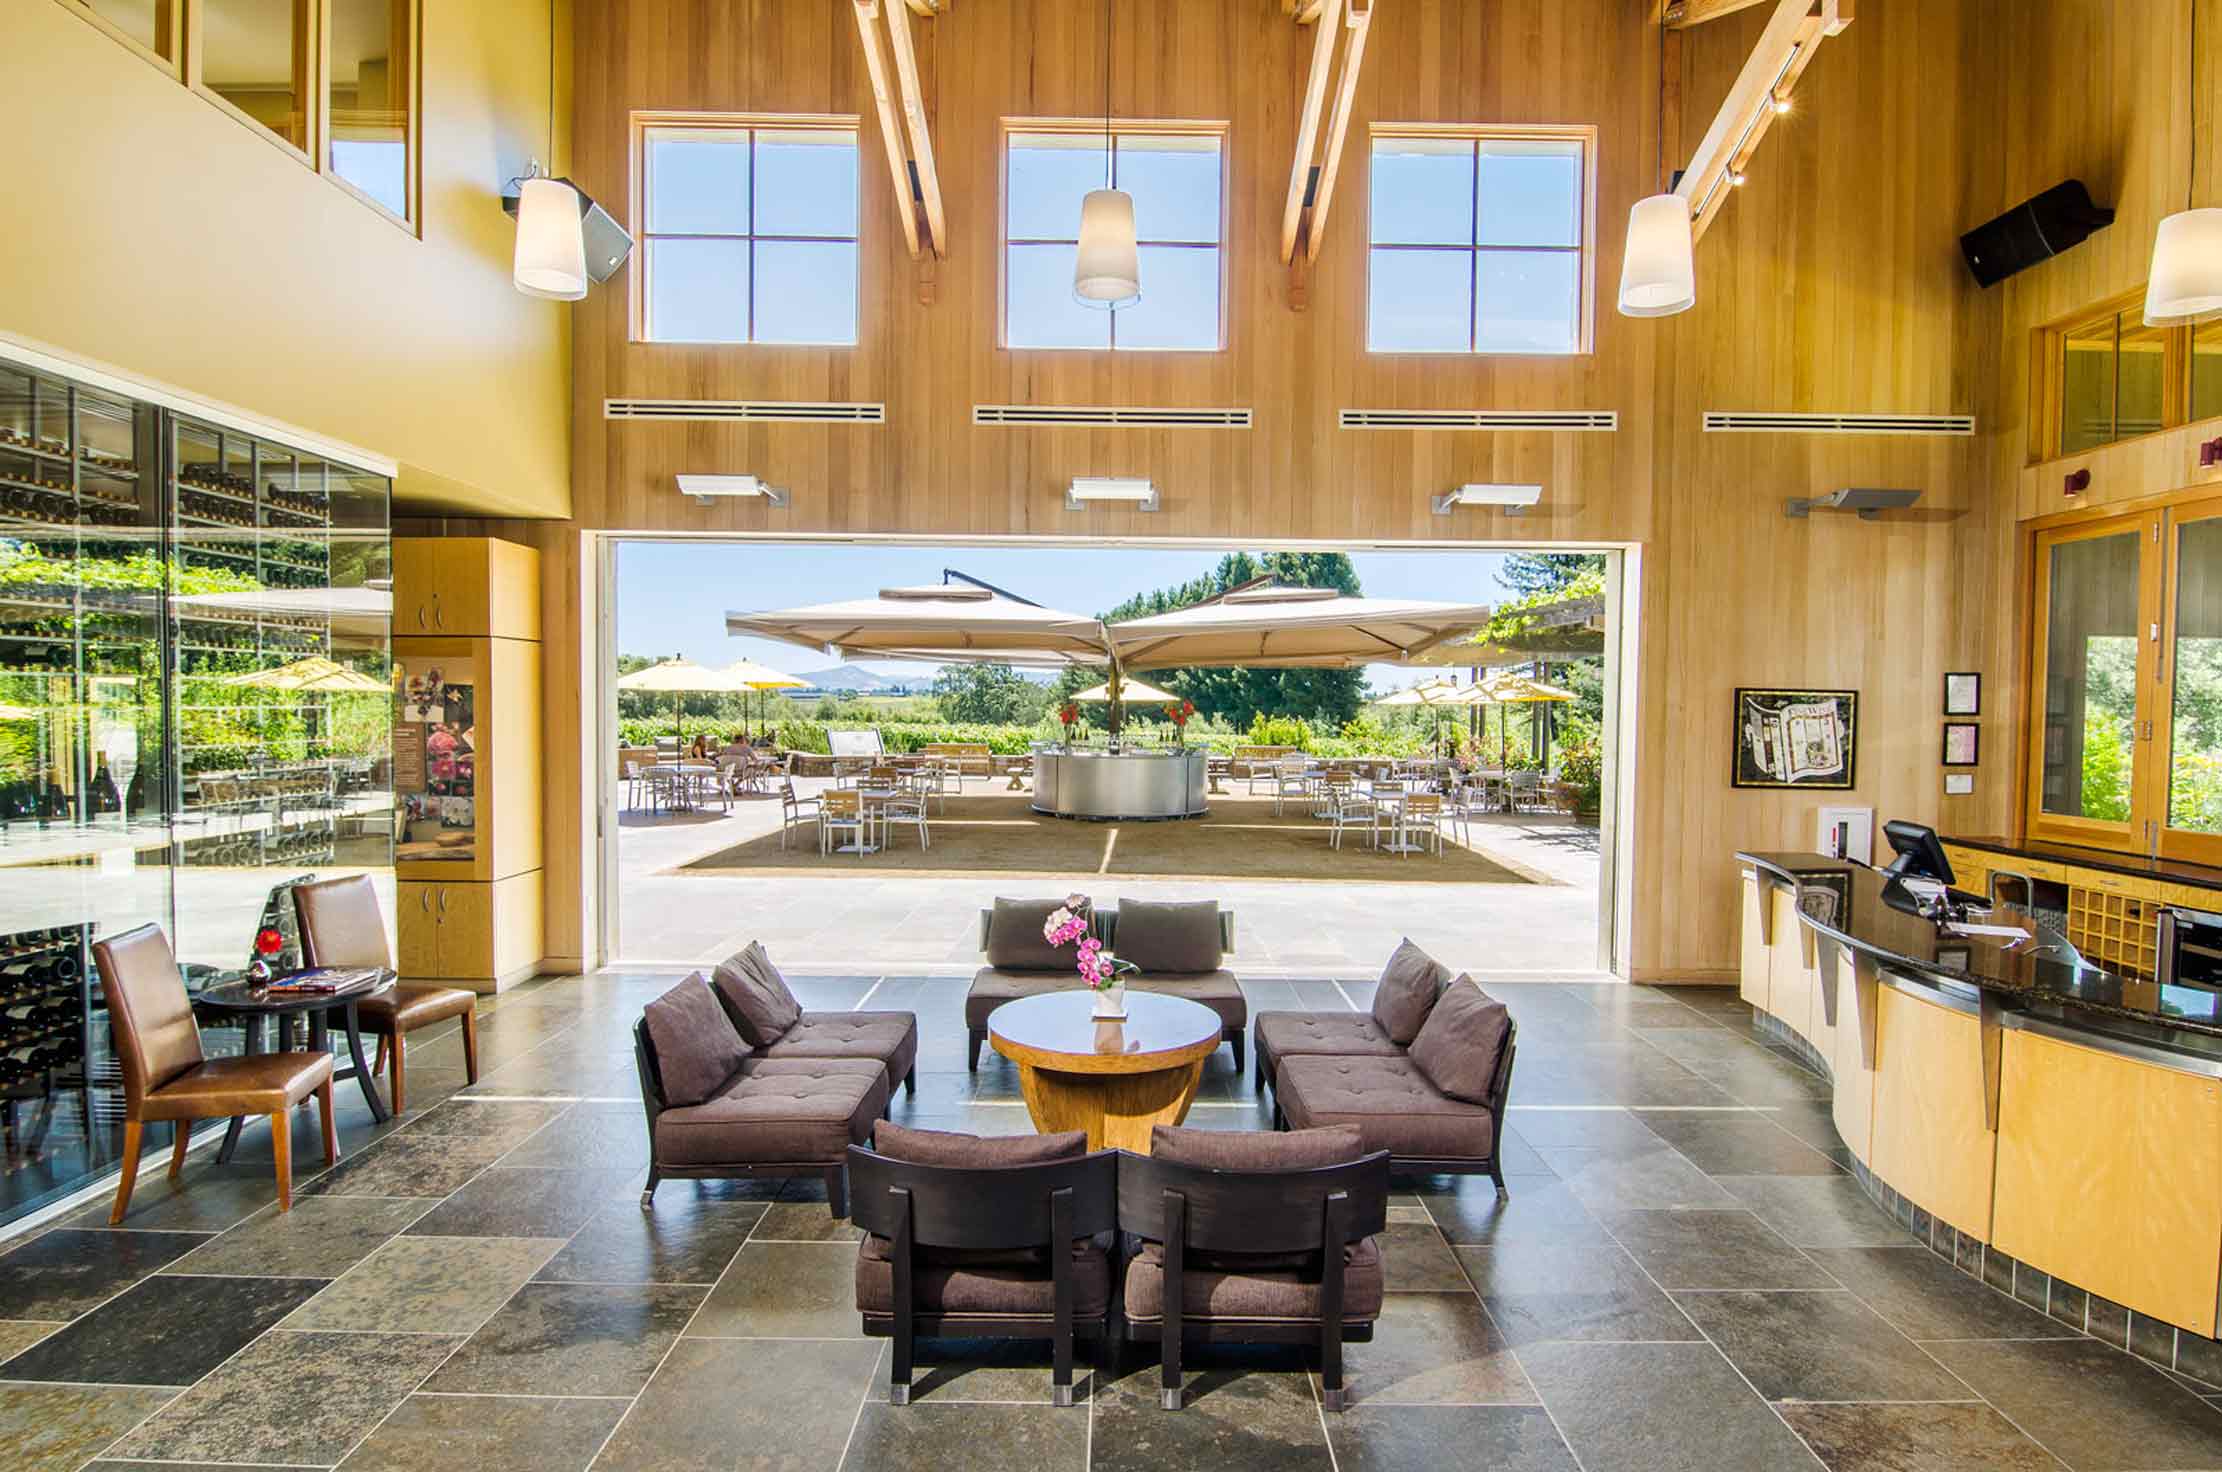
(794, 811)
(842, 810)
(1292, 777)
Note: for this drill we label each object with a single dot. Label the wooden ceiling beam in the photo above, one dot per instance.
(928, 181)
(1338, 126)
(891, 133)
(1680, 15)
(1784, 50)
(1307, 125)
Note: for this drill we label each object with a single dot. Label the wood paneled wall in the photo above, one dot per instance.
(1832, 282)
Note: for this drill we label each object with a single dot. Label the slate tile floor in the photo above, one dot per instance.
(1684, 1278)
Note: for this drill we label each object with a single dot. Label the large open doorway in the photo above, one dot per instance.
(696, 865)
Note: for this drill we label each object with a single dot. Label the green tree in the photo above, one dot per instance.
(1529, 573)
(994, 694)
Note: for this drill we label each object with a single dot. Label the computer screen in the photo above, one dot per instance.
(1919, 853)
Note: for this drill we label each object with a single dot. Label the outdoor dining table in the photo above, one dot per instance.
(252, 1003)
(1391, 794)
(687, 778)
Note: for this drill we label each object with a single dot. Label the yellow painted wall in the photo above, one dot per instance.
(145, 228)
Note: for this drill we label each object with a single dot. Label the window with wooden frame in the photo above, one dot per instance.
(2126, 670)
(1176, 172)
(1482, 240)
(2103, 376)
(336, 83)
(748, 229)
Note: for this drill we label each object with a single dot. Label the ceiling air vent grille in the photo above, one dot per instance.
(756, 411)
(1725, 421)
(1605, 420)
(1130, 418)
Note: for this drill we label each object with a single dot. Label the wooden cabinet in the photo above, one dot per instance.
(2110, 1176)
(1931, 1138)
(478, 935)
(471, 587)
(1757, 961)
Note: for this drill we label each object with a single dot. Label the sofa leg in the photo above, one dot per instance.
(1234, 1040)
(979, 1036)
(837, 1192)
(1496, 1173)
(910, 1081)
(648, 1192)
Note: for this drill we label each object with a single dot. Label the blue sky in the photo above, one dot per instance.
(672, 597)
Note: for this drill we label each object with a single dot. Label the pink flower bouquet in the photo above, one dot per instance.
(1066, 925)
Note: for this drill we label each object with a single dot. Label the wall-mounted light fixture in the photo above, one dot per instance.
(1133, 493)
(1866, 501)
(2076, 482)
(1511, 500)
(564, 239)
(708, 488)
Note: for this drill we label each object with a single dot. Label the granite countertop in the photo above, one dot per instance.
(2172, 871)
(1857, 906)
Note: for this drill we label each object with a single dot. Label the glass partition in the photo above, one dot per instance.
(194, 707)
(2195, 680)
(2090, 676)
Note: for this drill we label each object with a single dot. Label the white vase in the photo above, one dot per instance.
(1110, 1001)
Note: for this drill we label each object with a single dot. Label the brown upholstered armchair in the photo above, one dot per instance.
(341, 926)
(166, 1077)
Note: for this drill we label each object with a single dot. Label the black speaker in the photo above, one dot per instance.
(2035, 230)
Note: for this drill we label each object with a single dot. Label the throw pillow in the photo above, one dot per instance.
(1410, 983)
(1336, 1144)
(1015, 937)
(697, 1049)
(756, 995)
(1179, 936)
(1460, 1042)
(972, 1152)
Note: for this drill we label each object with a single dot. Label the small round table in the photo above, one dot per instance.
(1112, 1079)
(250, 1003)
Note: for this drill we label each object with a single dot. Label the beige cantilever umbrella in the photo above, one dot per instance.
(679, 677)
(315, 675)
(946, 622)
(1131, 692)
(1264, 625)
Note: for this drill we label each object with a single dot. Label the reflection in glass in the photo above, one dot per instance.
(254, 58)
(2091, 677)
(2141, 375)
(194, 706)
(2087, 362)
(2195, 738)
(141, 20)
(368, 82)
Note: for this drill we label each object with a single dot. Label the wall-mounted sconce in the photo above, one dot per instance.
(564, 239)
(1133, 493)
(2210, 453)
(1511, 500)
(1866, 501)
(2078, 481)
(708, 488)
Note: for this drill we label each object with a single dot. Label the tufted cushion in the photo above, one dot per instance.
(1409, 985)
(973, 1152)
(1277, 1035)
(891, 1037)
(778, 1111)
(1256, 1149)
(992, 986)
(1015, 938)
(958, 1286)
(756, 995)
(696, 1047)
(1390, 1101)
(1464, 1036)
(1218, 990)
(1179, 936)
(1283, 1293)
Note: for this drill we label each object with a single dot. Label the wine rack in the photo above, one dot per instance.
(44, 1017)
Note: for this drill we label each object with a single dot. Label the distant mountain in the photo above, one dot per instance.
(856, 678)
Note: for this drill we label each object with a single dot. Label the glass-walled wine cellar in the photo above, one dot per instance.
(195, 712)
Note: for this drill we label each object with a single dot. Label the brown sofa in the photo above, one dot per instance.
(1179, 947)
(737, 1080)
(1424, 1075)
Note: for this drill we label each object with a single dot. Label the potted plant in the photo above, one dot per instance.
(1068, 715)
(1178, 713)
(1102, 974)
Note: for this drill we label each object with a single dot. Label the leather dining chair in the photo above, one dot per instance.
(166, 1077)
(341, 926)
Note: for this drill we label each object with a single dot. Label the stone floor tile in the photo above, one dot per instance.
(1928, 1298)
(1816, 1211)
(1434, 1349)
(1712, 1249)
(525, 1202)
(935, 1436)
(1902, 1438)
(2095, 1407)
(1240, 1412)
(483, 1433)
(54, 1428)
(607, 1136)
(802, 1221)
(1660, 1408)
(1739, 1145)
(408, 1164)
(1623, 1179)
(427, 1285)
(1539, 1290)
(162, 1331)
(1416, 1259)
(18, 1335)
(291, 1399)
(1818, 1346)
(784, 1290)
(684, 1240)
(207, 1197)
(570, 1339)
(711, 1407)
(67, 1272)
(1470, 1212)
(504, 1122)
(321, 1237)
(1397, 1438)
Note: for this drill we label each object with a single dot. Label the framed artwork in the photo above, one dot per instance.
(1963, 694)
(1959, 784)
(1795, 738)
(1963, 744)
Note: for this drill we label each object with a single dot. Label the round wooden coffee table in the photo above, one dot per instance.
(1112, 1079)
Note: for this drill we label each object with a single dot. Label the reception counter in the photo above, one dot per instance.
(2048, 1124)
(1102, 785)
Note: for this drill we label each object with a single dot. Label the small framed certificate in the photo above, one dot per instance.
(1963, 694)
(1963, 744)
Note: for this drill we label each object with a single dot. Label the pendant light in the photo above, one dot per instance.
(1658, 270)
(2185, 282)
(551, 219)
(1107, 269)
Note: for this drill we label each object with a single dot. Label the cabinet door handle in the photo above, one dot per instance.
(443, 905)
(439, 614)
(420, 615)
(424, 901)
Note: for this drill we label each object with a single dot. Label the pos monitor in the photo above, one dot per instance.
(1920, 856)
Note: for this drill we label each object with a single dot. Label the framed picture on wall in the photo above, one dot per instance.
(1795, 738)
(1963, 694)
(1963, 744)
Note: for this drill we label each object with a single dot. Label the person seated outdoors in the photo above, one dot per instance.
(700, 751)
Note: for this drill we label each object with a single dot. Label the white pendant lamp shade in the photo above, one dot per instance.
(2186, 279)
(1658, 275)
(551, 241)
(1108, 270)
